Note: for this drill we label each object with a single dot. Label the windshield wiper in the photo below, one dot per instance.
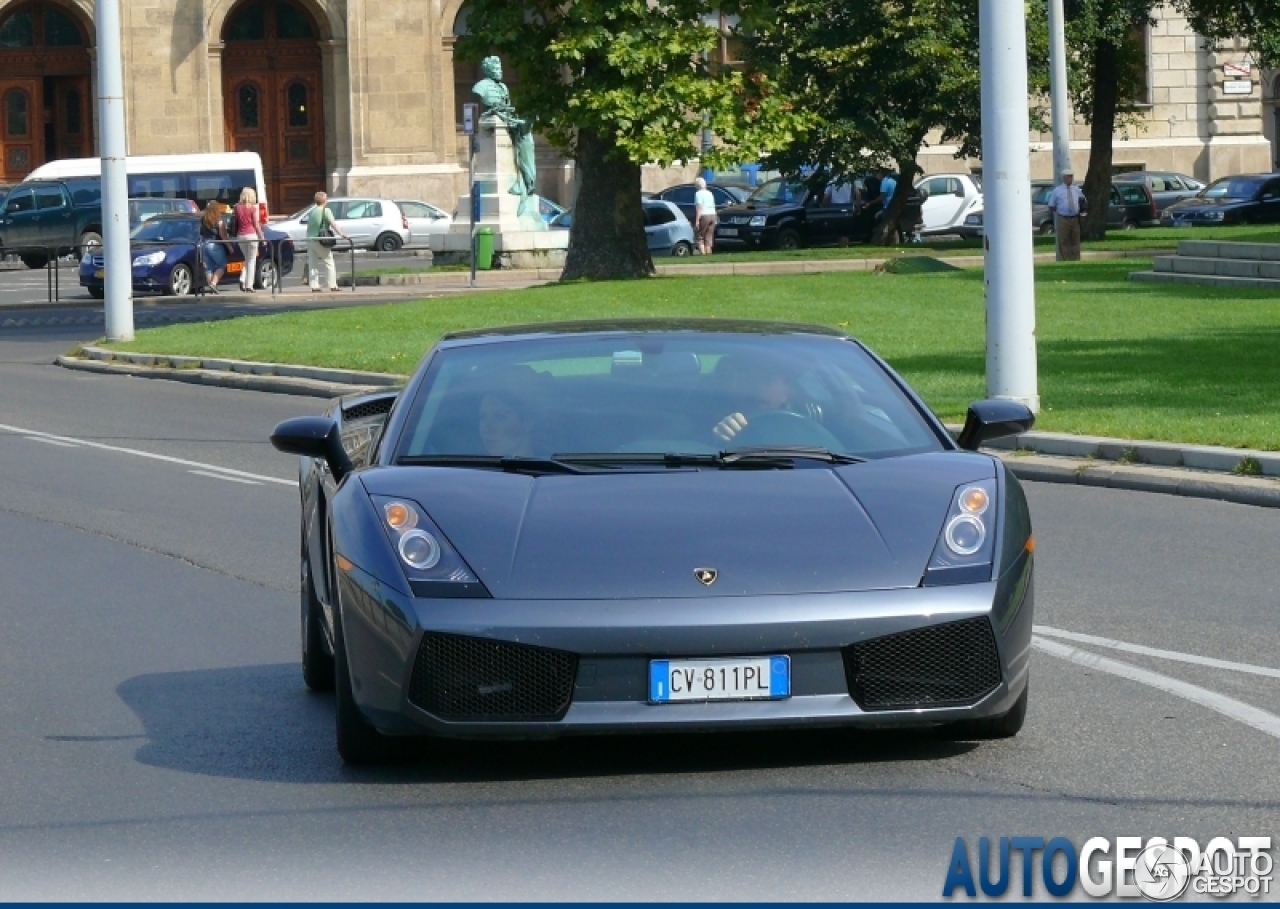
(640, 459)
(511, 464)
(782, 455)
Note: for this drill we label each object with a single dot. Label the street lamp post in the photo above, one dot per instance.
(1006, 178)
(118, 276)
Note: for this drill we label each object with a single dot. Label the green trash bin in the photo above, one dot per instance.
(484, 248)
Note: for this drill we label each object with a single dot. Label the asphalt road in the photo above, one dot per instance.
(156, 740)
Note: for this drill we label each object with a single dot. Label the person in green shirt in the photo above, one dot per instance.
(320, 255)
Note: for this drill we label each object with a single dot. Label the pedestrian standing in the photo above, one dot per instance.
(1067, 203)
(704, 206)
(249, 234)
(213, 244)
(322, 231)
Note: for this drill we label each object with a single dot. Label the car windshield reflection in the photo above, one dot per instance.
(677, 394)
(167, 230)
(778, 191)
(1232, 188)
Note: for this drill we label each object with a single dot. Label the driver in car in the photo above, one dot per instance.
(766, 387)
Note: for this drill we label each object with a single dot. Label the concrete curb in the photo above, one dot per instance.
(1168, 480)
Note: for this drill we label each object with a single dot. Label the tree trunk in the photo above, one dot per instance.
(607, 239)
(1097, 183)
(885, 233)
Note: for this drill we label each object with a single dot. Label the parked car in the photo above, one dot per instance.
(668, 231)
(424, 220)
(166, 261)
(1131, 205)
(682, 195)
(1242, 199)
(376, 224)
(548, 209)
(787, 214)
(141, 210)
(1167, 188)
(44, 213)
(948, 200)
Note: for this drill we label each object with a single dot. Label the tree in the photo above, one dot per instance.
(1109, 61)
(881, 75)
(619, 83)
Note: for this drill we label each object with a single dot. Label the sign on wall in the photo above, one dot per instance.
(1237, 87)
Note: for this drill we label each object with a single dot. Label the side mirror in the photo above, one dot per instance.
(313, 437)
(994, 419)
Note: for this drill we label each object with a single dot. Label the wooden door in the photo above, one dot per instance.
(72, 118)
(21, 128)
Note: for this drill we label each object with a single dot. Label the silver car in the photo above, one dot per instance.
(658, 525)
(424, 220)
(375, 224)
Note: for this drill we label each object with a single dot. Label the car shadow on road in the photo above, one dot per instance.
(260, 723)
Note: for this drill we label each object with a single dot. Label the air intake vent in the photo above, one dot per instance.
(940, 666)
(362, 409)
(463, 678)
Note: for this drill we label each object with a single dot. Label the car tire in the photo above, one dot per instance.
(788, 239)
(97, 293)
(682, 249)
(1129, 225)
(358, 742)
(388, 243)
(90, 239)
(1046, 227)
(1004, 726)
(317, 661)
(268, 278)
(181, 281)
(34, 261)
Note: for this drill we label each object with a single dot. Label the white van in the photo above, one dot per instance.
(200, 178)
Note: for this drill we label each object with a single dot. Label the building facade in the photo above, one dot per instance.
(364, 96)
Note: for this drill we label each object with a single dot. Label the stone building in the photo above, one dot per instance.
(364, 96)
(1196, 115)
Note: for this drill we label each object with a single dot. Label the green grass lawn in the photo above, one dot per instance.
(1117, 358)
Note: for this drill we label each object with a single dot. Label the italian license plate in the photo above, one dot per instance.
(735, 679)
(234, 268)
(100, 273)
(728, 231)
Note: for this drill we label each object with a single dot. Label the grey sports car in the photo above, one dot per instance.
(658, 525)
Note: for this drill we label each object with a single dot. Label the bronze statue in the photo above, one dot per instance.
(497, 103)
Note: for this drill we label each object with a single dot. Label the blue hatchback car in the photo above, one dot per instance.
(164, 251)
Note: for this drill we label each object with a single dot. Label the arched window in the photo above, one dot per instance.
(291, 22)
(16, 114)
(247, 105)
(19, 30)
(248, 24)
(296, 101)
(60, 30)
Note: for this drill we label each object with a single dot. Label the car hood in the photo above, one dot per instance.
(1195, 204)
(870, 526)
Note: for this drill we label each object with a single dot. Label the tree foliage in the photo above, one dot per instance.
(621, 83)
(881, 75)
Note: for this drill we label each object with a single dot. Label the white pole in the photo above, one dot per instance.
(1006, 184)
(1061, 110)
(115, 185)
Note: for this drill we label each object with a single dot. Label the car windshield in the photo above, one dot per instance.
(167, 230)
(1233, 188)
(778, 191)
(1040, 195)
(659, 393)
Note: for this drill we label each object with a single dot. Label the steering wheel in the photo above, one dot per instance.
(782, 427)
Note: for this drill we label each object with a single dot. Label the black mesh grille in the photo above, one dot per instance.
(373, 408)
(462, 678)
(939, 666)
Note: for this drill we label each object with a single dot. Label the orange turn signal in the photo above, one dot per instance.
(1031, 544)
(343, 563)
(399, 515)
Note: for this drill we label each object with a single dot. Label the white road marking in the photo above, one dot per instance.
(223, 476)
(1154, 652)
(58, 442)
(1228, 707)
(31, 433)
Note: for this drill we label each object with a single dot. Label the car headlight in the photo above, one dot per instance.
(151, 258)
(757, 221)
(963, 553)
(430, 563)
(974, 219)
(1215, 215)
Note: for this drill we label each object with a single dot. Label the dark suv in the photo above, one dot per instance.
(787, 214)
(52, 214)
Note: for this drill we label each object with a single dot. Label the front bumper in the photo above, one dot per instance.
(614, 640)
(745, 235)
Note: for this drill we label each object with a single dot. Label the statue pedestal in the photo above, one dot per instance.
(520, 240)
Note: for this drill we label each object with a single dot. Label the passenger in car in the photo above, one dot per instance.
(506, 425)
(764, 386)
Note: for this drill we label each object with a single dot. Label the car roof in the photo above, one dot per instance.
(631, 326)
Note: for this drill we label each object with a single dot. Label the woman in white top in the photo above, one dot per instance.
(704, 206)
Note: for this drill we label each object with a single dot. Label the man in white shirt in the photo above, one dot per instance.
(1067, 203)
